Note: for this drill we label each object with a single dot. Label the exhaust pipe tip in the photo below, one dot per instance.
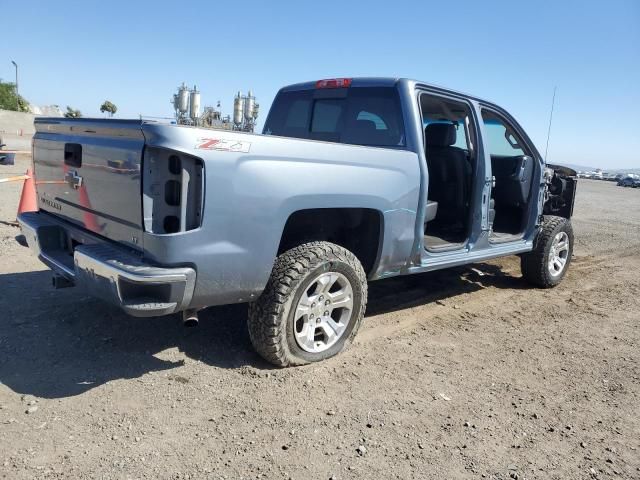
(190, 318)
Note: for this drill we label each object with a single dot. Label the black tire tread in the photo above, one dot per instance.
(265, 321)
(533, 264)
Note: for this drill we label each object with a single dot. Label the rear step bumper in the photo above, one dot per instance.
(107, 271)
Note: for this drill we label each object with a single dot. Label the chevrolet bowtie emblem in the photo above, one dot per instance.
(73, 179)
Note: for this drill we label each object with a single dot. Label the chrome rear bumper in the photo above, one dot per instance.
(106, 270)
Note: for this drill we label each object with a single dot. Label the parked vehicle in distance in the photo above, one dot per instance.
(352, 181)
(6, 158)
(593, 175)
(619, 176)
(629, 182)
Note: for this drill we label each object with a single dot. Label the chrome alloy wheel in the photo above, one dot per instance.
(323, 312)
(558, 254)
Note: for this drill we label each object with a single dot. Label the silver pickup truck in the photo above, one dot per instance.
(352, 180)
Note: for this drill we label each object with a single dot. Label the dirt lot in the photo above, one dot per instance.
(458, 374)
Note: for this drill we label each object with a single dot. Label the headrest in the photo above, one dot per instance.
(440, 134)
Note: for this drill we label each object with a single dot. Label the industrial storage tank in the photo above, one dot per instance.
(238, 107)
(249, 104)
(188, 111)
(194, 112)
(182, 99)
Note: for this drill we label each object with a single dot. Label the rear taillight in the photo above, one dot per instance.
(172, 187)
(334, 83)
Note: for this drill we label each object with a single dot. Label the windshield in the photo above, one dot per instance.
(361, 116)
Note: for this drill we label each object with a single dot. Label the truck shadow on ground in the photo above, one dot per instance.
(60, 343)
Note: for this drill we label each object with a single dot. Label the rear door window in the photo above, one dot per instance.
(362, 116)
(298, 114)
(326, 119)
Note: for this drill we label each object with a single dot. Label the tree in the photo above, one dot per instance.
(10, 100)
(72, 113)
(109, 107)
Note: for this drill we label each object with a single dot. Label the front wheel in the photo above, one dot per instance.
(312, 306)
(546, 265)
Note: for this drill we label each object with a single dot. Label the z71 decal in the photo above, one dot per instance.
(222, 144)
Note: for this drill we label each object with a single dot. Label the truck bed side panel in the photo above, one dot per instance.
(251, 193)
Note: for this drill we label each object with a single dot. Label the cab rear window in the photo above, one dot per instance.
(361, 116)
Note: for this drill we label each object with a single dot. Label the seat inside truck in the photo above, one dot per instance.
(450, 163)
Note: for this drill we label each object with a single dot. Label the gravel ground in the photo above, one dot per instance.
(465, 373)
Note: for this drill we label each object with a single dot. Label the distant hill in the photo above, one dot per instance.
(585, 168)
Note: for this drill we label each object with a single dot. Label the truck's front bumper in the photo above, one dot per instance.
(106, 270)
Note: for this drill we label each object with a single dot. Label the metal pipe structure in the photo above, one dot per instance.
(186, 105)
(238, 109)
(194, 105)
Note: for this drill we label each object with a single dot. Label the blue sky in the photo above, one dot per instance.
(136, 54)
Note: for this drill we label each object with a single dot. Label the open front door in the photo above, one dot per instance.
(516, 177)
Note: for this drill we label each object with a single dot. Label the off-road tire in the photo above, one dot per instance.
(535, 264)
(270, 319)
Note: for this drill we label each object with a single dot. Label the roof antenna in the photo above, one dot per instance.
(553, 101)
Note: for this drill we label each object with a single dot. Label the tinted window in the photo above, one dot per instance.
(298, 114)
(501, 138)
(361, 116)
(380, 125)
(326, 115)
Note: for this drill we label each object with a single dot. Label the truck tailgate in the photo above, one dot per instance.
(88, 172)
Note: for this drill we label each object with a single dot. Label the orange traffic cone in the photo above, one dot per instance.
(28, 199)
(89, 218)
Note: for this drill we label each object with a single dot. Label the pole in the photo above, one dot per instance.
(553, 101)
(17, 92)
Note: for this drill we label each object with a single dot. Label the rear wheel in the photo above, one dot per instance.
(312, 306)
(546, 265)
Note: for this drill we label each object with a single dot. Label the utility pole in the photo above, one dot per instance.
(17, 93)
